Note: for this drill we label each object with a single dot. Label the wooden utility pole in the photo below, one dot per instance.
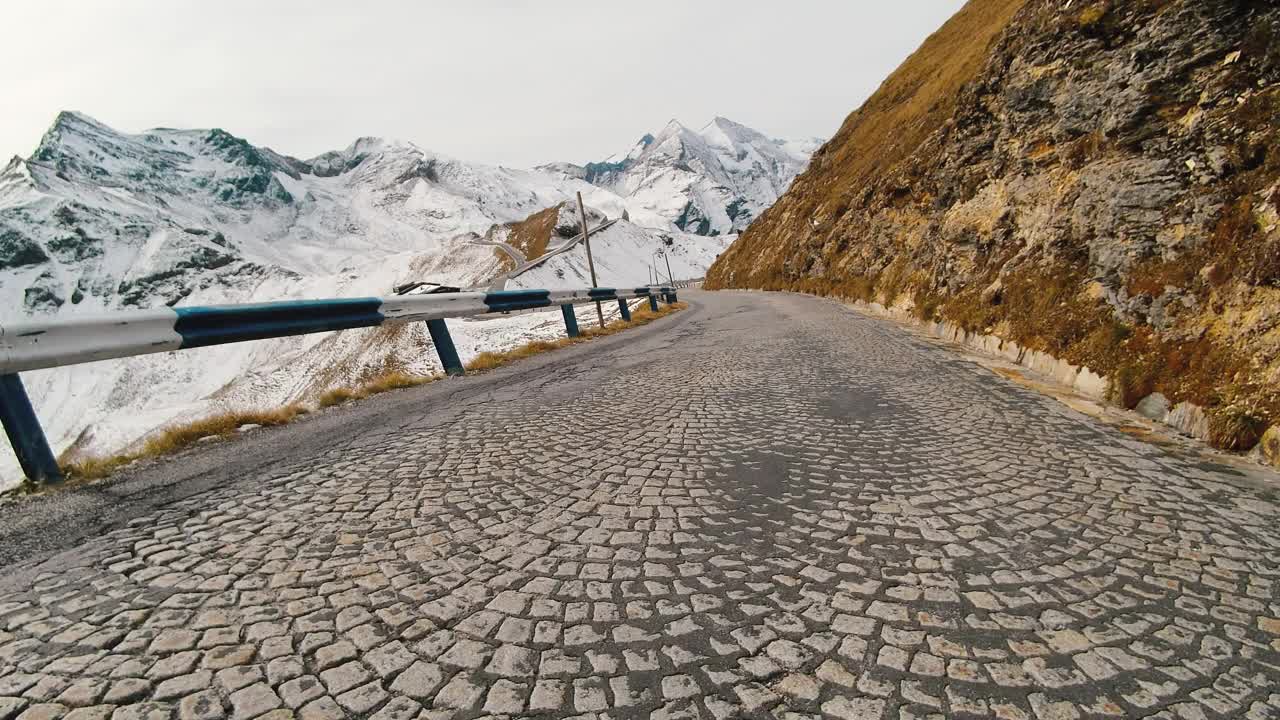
(591, 265)
(668, 261)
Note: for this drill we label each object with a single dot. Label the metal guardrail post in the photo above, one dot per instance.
(653, 302)
(624, 309)
(25, 434)
(570, 320)
(673, 297)
(443, 341)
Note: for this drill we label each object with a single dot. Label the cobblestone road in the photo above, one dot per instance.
(778, 508)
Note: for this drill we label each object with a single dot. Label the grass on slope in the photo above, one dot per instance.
(642, 316)
(530, 236)
(177, 437)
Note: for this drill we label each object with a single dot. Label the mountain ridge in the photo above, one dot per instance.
(695, 184)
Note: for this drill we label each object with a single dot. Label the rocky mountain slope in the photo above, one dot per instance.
(97, 220)
(1097, 180)
(712, 181)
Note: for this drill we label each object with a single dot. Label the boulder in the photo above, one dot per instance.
(1154, 407)
(1268, 449)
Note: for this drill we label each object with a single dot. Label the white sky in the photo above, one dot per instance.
(499, 81)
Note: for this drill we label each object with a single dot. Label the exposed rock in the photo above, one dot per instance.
(1268, 450)
(1154, 407)
(18, 250)
(1190, 419)
(993, 293)
(43, 295)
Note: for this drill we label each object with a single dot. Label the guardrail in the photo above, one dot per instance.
(35, 345)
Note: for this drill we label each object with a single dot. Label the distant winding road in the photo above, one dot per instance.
(523, 264)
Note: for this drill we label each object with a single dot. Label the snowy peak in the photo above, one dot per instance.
(711, 181)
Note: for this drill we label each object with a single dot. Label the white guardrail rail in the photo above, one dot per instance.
(33, 345)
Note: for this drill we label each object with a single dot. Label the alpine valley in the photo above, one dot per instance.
(97, 220)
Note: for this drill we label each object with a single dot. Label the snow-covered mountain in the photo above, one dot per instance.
(711, 181)
(97, 220)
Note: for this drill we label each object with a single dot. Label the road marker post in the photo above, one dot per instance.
(25, 434)
(570, 320)
(443, 341)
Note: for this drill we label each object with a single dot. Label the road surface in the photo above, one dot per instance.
(764, 506)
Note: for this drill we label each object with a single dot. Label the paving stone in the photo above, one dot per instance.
(513, 661)
(344, 677)
(301, 690)
(44, 711)
(589, 695)
(801, 687)
(505, 697)
(252, 701)
(83, 693)
(183, 685)
(206, 705)
(93, 712)
(11, 706)
(126, 691)
(420, 680)
(460, 693)
(362, 699)
(324, 708)
(389, 659)
(398, 709)
(143, 711)
(853, 709)
(547, 695)
(675, 687)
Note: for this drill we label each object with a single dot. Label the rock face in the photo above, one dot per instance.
(1095, 180)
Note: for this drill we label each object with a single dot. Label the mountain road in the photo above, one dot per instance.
(762, 505)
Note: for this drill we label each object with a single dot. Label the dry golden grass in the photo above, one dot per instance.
(492, 360)
(337, 396)
(641, 316)
(1091, 15)
(177, 437)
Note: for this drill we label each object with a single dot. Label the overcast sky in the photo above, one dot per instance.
(499, 81)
